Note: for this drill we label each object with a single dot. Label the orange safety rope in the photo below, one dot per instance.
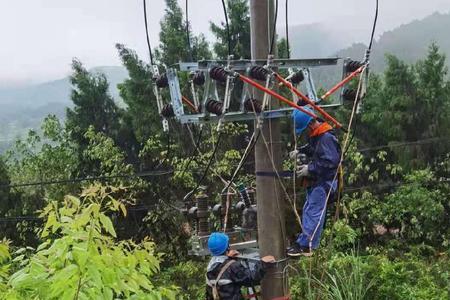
(189, 103)
(343, 82)
(276, 95)
(307, 100)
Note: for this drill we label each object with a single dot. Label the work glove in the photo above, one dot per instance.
(302, 171)
(293, 154)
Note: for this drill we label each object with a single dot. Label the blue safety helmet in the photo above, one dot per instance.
(301, 120)
(218, 243)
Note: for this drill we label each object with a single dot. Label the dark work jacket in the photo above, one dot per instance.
(325, 153)
(239, 274)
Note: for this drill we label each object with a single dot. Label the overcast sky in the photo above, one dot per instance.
(39, 37)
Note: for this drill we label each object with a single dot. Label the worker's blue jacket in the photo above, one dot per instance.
(239, 274)
(325, 154)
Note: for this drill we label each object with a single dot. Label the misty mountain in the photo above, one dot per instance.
(24, 108)
(409, 42)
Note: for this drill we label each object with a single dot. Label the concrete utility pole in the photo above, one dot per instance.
(271, 220)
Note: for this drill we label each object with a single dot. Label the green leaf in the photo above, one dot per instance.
(107, 224)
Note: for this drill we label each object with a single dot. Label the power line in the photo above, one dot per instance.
(146, 32)
(418, 142)
(374, 26)
(244, 158)
(188, 36)
(216, 147)
(75, 180)
(272, 39)
(196, 148)
(228, 26)
(288, 47)
(389, 185)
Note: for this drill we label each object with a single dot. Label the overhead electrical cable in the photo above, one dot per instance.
(146, 32)
(208, 166)
(288, 47)
(227, 26)
(188, 35)
(273, 29)
(196, 148)
(369, 49)
(374, 26)
(76, 180)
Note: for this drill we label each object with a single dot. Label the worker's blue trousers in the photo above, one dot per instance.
(312, 211)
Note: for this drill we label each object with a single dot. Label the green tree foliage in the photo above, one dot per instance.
(5, 257)
(80, 257)
(93, 105)
(172, 37)
(372, 277)
(282, 48)
(136, 91)
(411, 103)
(4, 182)
(239, 22)
(44, 157)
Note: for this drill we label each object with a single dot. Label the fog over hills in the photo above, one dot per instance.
(25, 107)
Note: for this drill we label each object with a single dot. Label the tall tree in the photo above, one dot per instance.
(4, 189)
(412, 103)
(239, 23)
(93, 105)
(136, 91)
(173, 45)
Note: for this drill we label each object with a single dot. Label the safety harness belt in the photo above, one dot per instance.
(214, 286)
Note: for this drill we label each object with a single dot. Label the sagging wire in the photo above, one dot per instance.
(153, 173)
(374, 25)
(208, 166)
(251, 144)
(196, 148)
(227, 26)
(347, 139)
(369, 49)
(200, 153)
(188, 35)
(146, 31)
(279, 177)
(288, 47)
(274, 27)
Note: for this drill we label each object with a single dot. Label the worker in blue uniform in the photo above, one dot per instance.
(226, 275)
(324, 153)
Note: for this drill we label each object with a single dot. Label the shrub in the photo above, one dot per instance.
(80, 257)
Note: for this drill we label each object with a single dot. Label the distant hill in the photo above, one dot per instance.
(313, 40)
(24, 108)
(409, 42)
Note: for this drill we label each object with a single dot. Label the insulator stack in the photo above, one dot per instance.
(253, 105)
(224, 211)
(297, 77)
(251, 195)
(218, 74)
(301, 102)
(202, 214)
(250, 218)
(214, 107)
(352, 66)
(349, 94)
(198, 78)
(259, 73)
(161, 81)
(243, 194)
(167, 111)
(192, 216)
